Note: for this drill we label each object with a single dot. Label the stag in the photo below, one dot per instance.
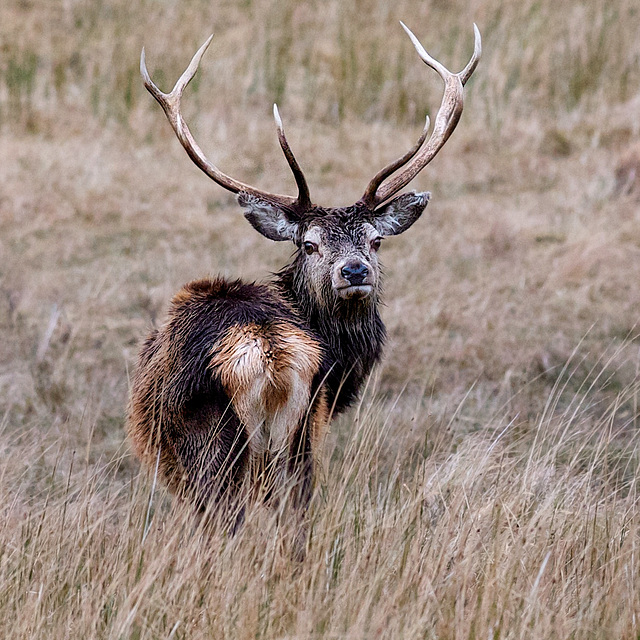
(233, 394)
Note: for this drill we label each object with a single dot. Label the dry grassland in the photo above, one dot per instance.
(487, 484)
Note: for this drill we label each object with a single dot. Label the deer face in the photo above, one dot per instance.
(337, 248)
(339, 257)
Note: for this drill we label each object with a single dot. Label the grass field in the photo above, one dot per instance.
(486, 486)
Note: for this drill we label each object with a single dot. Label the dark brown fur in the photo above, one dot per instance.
(188, 411)
(237, 386)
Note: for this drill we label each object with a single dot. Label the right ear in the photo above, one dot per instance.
(267, 218)
(400, 213)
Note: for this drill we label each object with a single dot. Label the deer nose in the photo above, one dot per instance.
(355, 272)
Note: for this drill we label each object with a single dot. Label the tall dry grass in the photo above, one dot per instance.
(486, 485)
(508, 534)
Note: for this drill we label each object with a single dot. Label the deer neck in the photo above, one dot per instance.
(352, 335)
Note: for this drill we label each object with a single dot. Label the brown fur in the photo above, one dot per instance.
(269, 371)
(231, 395)
(260, 393)
(245, 373)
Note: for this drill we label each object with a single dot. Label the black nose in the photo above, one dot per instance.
(355, 272)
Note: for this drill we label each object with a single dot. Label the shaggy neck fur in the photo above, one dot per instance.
(351, 332)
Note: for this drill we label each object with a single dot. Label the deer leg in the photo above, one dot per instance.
(288, 479)
(214, 463)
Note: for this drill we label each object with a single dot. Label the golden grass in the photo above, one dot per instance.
(511, 534)
(486, 486)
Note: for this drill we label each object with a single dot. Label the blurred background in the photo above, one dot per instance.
(529, 247)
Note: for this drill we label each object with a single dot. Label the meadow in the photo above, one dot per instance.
(486, 484)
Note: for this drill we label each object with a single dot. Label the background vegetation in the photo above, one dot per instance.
(487, 484)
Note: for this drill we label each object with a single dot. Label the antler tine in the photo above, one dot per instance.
(465, 74)
(304, 199)
(170, 103)
(385, 172)
(173, 98)
(445, 122)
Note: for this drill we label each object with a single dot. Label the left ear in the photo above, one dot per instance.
(267, 218)
(398, 215)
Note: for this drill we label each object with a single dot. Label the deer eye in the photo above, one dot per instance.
(375, 243)
(310, 247)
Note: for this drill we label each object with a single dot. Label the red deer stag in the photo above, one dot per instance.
(233, 394)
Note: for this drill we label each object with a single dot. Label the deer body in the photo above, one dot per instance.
(248, 379)
(232, 395)
(241, 385)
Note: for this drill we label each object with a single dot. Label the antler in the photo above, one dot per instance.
(170, 103)
(445, 122)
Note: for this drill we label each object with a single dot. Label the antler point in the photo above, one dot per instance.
(276, 116)
(407, 30)
(143, 69)
(477, 38)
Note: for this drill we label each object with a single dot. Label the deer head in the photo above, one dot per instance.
(336, 247)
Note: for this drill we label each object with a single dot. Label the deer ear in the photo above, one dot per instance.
(267, 218)
(399, 214)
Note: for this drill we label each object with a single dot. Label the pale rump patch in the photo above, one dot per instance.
(267, 372)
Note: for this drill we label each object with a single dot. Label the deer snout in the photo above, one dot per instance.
(354, 278)
(355, 272)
